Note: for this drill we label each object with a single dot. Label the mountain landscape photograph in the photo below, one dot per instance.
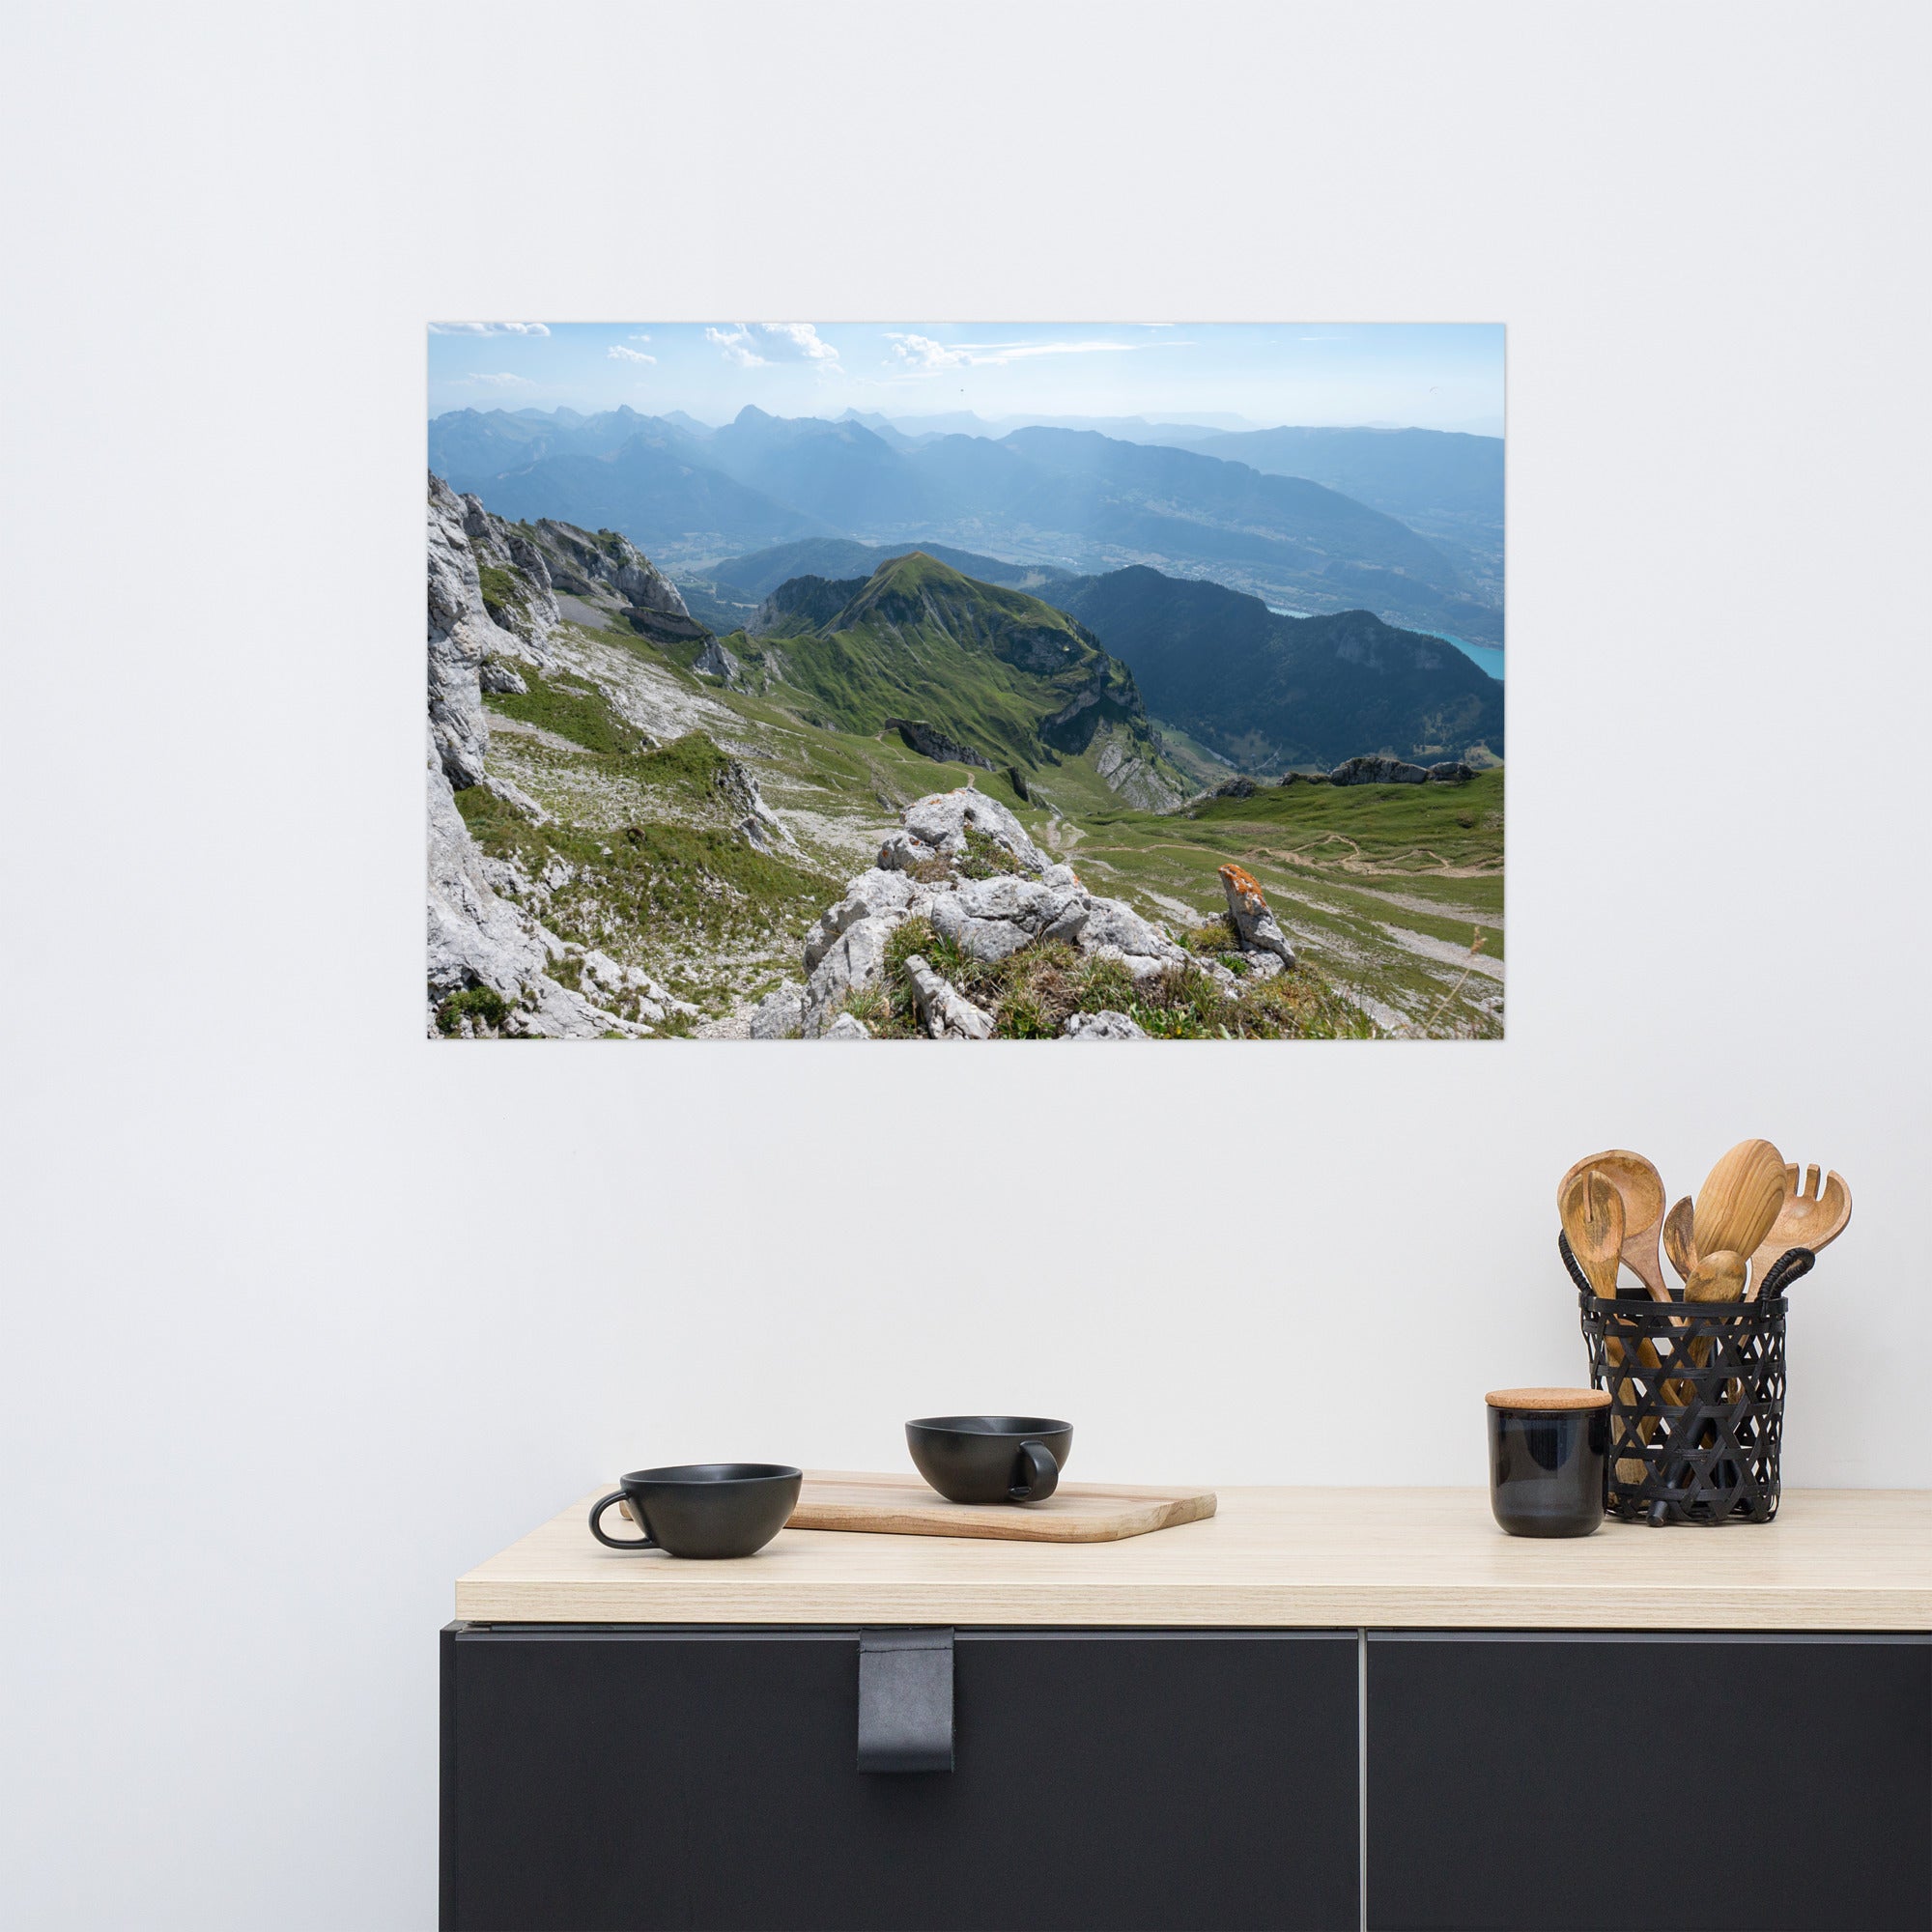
(922, 681)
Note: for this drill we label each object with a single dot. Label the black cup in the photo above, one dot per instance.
(1548, 1460)
(991, 1458)
(703, 1508)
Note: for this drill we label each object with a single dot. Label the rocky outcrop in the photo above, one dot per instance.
(1107, 1025)
(580, 563)
(777, 1014)
(871, 893)
(1134, 777)
(492, 968)
(847, 1026)
(714, 661)
(1452, 772)
(918, 737)
(759, 823)
(462, 633)
(930, 869)
(853, 962)
(1234, 789)
(935, 827)
(1117, 931)
(988, 919)
(1379, 771)
(1248, 912)
(944, 1010)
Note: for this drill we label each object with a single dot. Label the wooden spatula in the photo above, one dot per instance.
(1738, 1199)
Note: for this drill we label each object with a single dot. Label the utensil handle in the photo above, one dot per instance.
(1788, 1267)
(1571, 1261)
(596, 1509)
(1038, 1473)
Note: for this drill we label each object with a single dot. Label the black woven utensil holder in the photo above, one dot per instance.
(1697, 1400)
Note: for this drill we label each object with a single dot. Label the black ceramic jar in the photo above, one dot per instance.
(1548, 1459)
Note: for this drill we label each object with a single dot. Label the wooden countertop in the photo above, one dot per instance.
(1834, 1559)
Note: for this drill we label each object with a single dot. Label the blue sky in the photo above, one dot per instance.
(1432, 376)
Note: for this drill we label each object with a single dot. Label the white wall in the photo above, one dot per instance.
(305, 1315)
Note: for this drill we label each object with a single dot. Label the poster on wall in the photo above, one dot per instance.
(918, 681)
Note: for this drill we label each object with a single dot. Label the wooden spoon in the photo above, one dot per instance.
(1809, 1217)
(1679, 1239)
(1642, 1190)
(1593, 1218)
(1738, 1199)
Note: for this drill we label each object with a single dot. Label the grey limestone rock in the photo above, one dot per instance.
(500, 675)
(614, 561)
(1378, 771)
(852, 962)
(1107, 1025)
(987, 918)
(777, 1014)
(714, 661)
(870, 892)
(1248, 909)
(1118, 932)
(846, 1026)
(919, 736)
(934, 827)
(945, 1012)
(1452, 772)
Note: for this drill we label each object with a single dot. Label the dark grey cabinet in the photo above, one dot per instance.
(598, 1778)
(1580, 1782)
(607, 1778)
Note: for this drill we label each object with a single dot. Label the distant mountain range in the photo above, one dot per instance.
(1270, 693)
(1070, 499)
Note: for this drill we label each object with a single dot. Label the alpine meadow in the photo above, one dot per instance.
(923, 682)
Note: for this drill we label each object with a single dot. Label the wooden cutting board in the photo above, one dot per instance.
(1075, 1512)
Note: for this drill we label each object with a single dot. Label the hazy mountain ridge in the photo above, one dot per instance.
(1070, 499)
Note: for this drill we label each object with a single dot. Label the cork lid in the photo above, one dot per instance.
(1548, 1401)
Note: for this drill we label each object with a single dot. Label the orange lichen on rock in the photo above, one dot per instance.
(1244, 884)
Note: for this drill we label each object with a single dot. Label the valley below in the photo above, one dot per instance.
(669, 818)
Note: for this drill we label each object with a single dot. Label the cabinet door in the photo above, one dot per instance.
(1622, 1782)
(602, 1778)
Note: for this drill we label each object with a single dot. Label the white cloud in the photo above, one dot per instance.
(489, 329)
(753, 345)
(736, 344)
(641, 338)
(922, 352)
(619, 354)
(502, 381)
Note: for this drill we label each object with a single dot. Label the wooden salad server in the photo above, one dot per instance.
(1809, 1216)
(1592, 1212)
(1642, 1188)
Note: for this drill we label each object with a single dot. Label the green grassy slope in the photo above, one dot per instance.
(992, 667)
